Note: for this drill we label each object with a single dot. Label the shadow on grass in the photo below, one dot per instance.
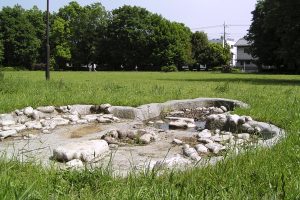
(256, 81)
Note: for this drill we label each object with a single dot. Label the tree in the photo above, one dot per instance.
(215, 55)
(85, 25)
(1, 50)
(274, 33)
(19, 37)
(199, 46)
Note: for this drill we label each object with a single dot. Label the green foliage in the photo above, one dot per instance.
(199, 45)
(274, 33)
(170, 68)
(216, 55)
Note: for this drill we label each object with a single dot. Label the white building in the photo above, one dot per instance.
(244, 59)
(233, 49)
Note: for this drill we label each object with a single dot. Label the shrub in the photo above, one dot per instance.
(170, 68)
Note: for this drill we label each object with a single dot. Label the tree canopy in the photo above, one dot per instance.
(129, 36)
(274, 33)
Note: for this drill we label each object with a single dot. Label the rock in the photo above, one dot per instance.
(102, 119)
(205, 140)
(146, 138)
(91, 118)
(192, 153)
(33, 125)
(216, 122)
(8, 133)
(22, 119)
(122, 134)
(224, 108)
(80, 109)
(150, 122)
(233, 120)
(226, 138)
(160, 122)
(215, 147)
(176, 113)
(113, 146)
(244, 136)
(218, 110)
(246, 128)
(45, 131)
(62, 109)
(217, 131)
(200, 148)
(241, 120)
(72, 118)
(17, 127)
(204, 134)
(132, 134)
(46, 109)
(7, 119)
(113, 133)
(178, 124)
(110, 140)
(19, 113)
(104, 108)
(28, 111)
(36, 115)
(248, 118)
(75, 163)
(187, 120)
(52, 123)
(257, 130)
(216, 138)
(82, 121)
(177, 142)
(177, 161)
(84, 151)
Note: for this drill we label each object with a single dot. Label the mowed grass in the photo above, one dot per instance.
(257, 174)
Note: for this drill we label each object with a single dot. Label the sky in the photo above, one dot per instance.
(198, 15)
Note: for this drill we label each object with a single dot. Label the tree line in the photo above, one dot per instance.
(275, 34)
(124, 38)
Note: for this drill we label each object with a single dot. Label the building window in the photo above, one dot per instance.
(242, 62)
(248, 62)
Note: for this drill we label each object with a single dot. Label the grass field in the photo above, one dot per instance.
(260, 174)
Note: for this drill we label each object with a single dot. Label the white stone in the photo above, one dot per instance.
(176, 161)
(176, 141)
(257, 129)
(7, 119)
(82, 121)
(45, 131)
(28, 111)
(90, 118)
(102, 119)
(218, 110)
(81, 109)
(72, 118)
(18, 127)
(200, 148)
(205, 140)
(187, 120)
(192, 153)
(204, 134)
(46, 109)
(75, 163)
(33, 125)
(36, 115)
(160, 122)
(8, 133)
(215, 147)
(244, 136)
(52, 123)
(233, 119)
(84, 151)
(247, 128)
(150, 122)
(146, 138)
(224, 108)
(19, 113)
(178, 124)
(176, 112)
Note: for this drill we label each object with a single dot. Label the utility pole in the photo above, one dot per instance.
(47, 70)
(224, 35)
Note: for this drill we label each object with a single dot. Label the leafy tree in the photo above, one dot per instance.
(19, 37)
(199, 46)
(216, 55)
(1, 50)
(274, 33)
(85, 25)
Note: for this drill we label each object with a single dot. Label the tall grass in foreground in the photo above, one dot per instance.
(257, 174)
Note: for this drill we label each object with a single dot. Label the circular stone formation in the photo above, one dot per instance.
(174, 134)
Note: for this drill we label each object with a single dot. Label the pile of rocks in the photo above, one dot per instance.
(130, 136)
(48, 117)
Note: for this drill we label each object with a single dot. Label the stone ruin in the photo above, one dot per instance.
(174, 134)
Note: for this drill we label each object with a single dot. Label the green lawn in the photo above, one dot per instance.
(260, 174)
